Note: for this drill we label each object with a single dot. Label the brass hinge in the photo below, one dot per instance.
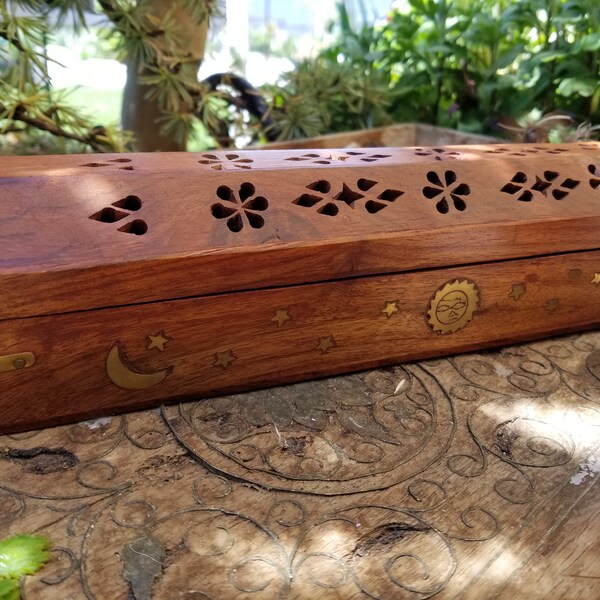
(16, 362)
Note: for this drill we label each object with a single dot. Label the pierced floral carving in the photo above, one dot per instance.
(240, 207)
(525, 150)
(328, 202)
(364, 157)
(548, 184)
(112, 162)
(122, 209)
(330, 157)
(318, 159)
(438, 153)
(517, 186)
(517, 151)
(227, 161)
(446, 191)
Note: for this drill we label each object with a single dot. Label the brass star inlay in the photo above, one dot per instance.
(596, 279)
(552, 305)
(224, 359)
(518, 289)
(391, 308)
(281, 316)
(325, 344)
(158, 341)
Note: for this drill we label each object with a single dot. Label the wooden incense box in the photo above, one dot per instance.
(128, 281)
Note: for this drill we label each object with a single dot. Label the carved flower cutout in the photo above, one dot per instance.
(447, 190)
(327, 201)
(550, 180)
(516, 150)
(513, 151)
(517, 186)
(240, 208)
(329, 157)
(317, 158)
(437, 153)
(218, 162)
(548, 184)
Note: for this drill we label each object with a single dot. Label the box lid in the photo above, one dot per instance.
(88, 231)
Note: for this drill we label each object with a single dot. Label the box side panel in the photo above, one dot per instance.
(66, 367)
(93, 234)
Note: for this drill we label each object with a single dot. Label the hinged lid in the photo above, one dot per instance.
(90, 231)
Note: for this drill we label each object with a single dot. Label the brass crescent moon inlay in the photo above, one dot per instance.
(124, 375)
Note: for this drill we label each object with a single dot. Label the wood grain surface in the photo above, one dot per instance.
(80, 232)
(402, 134)
(468, 477)
(99, 362)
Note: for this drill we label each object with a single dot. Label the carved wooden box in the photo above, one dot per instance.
(126, 281)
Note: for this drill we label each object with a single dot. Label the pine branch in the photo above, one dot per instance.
(45, 125)
(14, 41)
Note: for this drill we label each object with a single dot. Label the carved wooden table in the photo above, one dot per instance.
(466, 477)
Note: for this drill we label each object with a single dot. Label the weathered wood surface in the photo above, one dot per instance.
(468, 477)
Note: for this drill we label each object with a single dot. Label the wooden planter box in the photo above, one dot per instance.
(129, 280)
(406, 134)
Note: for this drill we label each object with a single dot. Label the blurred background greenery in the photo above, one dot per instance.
(139, 74)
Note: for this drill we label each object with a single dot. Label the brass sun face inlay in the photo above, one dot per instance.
(224, 359)
(158, 341)
(325, 344)
(518, 289)
(452, 306)
(281, 316)
(391, 308)
(596, 279)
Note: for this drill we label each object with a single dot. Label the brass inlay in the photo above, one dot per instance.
(552, 305)
(158, 341)
(16, 362)
(124, 375)
(281, 316)
(391, 308)
(224, 359)
(452, 306)
(325, 344)
(596, 279)
(518, 289)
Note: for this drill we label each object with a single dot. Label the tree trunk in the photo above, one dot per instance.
(139, 114)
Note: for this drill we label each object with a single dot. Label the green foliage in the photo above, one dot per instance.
(27, 101)
(155, 42)
(9, 589)
(318, 97)
(31, 112)
(20, 555)
(456, 63)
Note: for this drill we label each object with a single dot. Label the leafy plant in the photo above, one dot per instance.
(458, 63)
(20, 555)
(27, 101)
(154, 39)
